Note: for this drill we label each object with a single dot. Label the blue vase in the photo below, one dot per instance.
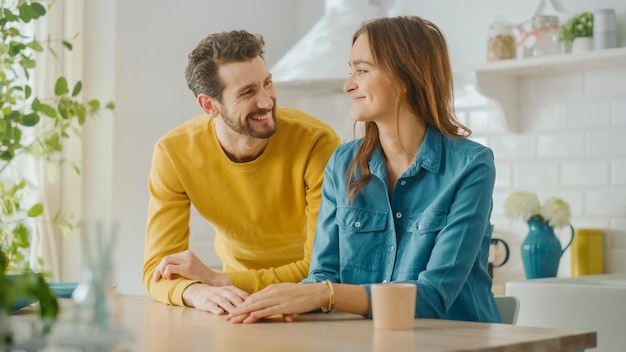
(541, 250)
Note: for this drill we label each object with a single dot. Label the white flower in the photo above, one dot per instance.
(556, 212)
(521, 205)
(525, 205)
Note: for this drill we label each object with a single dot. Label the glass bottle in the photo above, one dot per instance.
(547, 31)
(501, 40)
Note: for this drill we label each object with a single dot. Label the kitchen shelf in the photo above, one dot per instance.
(499, 80)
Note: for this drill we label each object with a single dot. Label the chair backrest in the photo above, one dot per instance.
(509, 308)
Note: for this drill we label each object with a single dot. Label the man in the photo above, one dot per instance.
(252, 170)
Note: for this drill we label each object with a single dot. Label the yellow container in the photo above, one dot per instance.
(587, 252)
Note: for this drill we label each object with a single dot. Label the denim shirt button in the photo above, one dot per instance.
(402, 183)
(385, 281)
(398, 215)
(420, 227)
(357, 224)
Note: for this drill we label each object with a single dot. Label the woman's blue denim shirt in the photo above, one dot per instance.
(434, 231)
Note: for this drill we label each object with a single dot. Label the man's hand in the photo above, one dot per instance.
(216, 300)
(186, 264)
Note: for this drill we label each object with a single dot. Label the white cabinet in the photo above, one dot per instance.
(499, 80)
(592, 303)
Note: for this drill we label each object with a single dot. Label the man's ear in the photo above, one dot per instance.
(208, 105)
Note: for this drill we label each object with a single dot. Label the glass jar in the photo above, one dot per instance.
(547, 31)
(501, 40)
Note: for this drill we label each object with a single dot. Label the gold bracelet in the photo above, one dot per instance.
(331, 299)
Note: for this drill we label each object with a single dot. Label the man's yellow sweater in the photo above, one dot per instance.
(263, 211)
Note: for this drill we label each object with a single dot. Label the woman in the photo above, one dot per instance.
(409, 202)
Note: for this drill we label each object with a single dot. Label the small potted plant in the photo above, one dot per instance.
(578, 32)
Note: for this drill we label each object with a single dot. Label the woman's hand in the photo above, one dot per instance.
(286, 299)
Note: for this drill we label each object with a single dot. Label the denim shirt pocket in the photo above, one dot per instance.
(430, 221)
(422, 230)
(361, 220)
(361, 234)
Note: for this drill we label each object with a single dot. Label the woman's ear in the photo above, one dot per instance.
(208, 105)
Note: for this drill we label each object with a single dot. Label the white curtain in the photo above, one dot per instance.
(57, 186)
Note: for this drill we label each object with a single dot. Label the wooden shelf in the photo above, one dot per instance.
(499, 80)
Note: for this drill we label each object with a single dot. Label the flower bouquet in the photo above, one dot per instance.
(525, 205)
(541, 249)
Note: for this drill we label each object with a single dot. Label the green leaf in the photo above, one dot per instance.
(14, 115)
(110, 105)
(60, 87)
(14, 31)
(25, 13)
(82, 115)
(53, 52)
(15, 48)
(9, 16)
(35, 210)
(36, 105)
(38, 9)
(30, 120)
(35, 45)
(27, 91)
(48, 110)
(77, 88)
(7, 155)
(94, 105)
(20, 235)
(68, 45)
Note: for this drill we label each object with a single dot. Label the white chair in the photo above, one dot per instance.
(509, 308)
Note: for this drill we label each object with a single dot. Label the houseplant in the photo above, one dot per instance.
(36, 127)
(579, 32)
(541, 249)
(31, 287)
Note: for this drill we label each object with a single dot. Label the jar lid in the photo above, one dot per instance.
(500, 22)
(543, 19)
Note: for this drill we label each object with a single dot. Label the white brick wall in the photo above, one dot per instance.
(572, 145)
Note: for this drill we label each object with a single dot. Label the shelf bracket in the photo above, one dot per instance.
(503, 90)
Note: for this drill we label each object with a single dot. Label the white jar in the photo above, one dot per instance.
(604, 29)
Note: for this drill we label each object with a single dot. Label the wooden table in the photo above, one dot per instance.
(157, 327)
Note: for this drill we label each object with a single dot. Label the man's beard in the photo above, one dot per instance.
(246, 129)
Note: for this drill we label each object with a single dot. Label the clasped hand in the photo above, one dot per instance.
(287, 299)
(215, 295)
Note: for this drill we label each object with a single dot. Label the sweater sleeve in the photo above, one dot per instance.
(255, 280)
(167, 229)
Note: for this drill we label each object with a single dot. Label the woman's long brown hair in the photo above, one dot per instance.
(413, 53)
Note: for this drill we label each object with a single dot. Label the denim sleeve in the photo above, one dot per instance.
(458, 244)
(325, 255)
